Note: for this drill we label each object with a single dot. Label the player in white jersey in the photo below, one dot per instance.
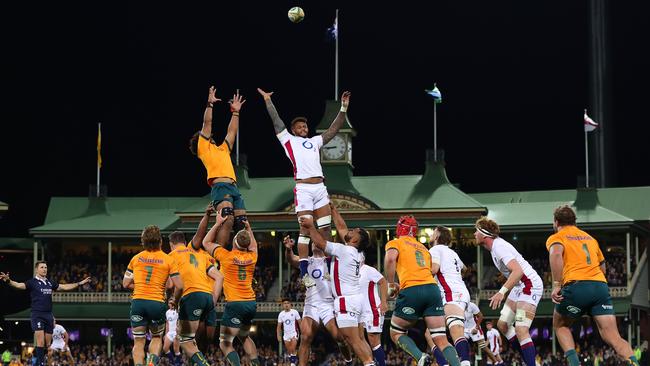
(59, 344)
(374, 288)
(287, 330)
(319, 303)
(311, 197)
(494, 339)
(344, 273)
(447, 266)
(170, 340)
(523, 283)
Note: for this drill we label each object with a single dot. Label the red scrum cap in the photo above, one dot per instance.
(406, 226)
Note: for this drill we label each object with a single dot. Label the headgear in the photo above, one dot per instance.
(406, 226)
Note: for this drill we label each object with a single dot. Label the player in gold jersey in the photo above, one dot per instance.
(147, 275)
(221, 177)
(419, 296)
(580, 286)
(238, 268)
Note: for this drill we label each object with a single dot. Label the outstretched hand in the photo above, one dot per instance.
(345, 99)
(5, 277)
(236, 102)
(220, 218)
(84, 281)
(212, 97)
(288, 242)
(264, 94)
(209, 211)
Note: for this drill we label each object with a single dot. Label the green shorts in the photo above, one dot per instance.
(147, 312)
(195, 306)
(238, 313)
(211, 319)
(222, 191)
(585, 297)
(420, 301)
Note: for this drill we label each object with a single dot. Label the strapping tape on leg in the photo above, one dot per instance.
(243, 333)
(454, 320)
(397, 329)
(521, 320)
(507, 315)
(226, 338)
(139, 334)
(437, 332)
(324, 221)
(157, 332)
(227, 211)
(240, 223)
(184, 338)
(303, 239)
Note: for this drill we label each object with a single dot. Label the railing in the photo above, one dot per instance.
(613, 292)
(124, 297)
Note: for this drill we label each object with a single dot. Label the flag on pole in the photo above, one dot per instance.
(590, 124)
(99, 145)
(435, 93)
(333, 31)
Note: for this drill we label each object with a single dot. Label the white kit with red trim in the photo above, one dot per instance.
(531, 287)
(493, 337)
(304, 154)
(449, 277)
(470, 323)
(345, 271)
(371, 314)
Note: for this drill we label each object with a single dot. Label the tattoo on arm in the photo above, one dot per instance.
(334, 128)
(278, 124)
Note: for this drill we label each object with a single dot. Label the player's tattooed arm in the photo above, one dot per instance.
(206, 130)
(278, 124)
(339, 120)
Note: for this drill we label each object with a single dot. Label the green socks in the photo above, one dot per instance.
(633, 360)
(152, 359)
(199, 359)
(572, 357)
(451, 355)
(233, 358)
(255, 362)
(406, 343)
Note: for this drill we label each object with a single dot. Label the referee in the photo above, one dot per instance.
(40, 290)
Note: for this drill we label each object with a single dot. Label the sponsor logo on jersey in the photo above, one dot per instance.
(307, 145)
(573, 309)
(136, 318)
(235, 321)
(408, 310)
(197, 312)
(607, 307)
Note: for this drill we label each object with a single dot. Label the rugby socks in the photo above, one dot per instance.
(462, 348)
(255, 362)
(528, 351)
(452, 357)
(199, 359)
(304, 263)
(293, 359)
(233, 358)
(178, 359)
(633, 360)
(514, 343)
(380, 356)
(406, 343)
(572, 357)
(40, 356)
(153, 359)
(170, 356)
(440, 358)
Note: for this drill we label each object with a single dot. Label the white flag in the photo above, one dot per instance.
(590, 124)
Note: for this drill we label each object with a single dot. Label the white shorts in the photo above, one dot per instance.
(290, 336)
(530, 293)
(477, 337)
(372, 322)
(347, 311)
(59, 347)
(321, 312)
(458, 298)
(494, 352)
(309, 197)
(171, 336)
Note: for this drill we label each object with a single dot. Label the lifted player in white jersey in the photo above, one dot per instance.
(523, 283)
(447, 267)
(287, 330)
(494, 339)
(344, 270)
(171, 341)
(59, 344)
(311, 197)
(375, 293)
(319, 304)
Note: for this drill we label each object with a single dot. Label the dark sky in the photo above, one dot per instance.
(514, 77)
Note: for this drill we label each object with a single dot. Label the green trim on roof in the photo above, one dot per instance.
(16, 244)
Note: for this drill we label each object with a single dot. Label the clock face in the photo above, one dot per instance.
(335, 149)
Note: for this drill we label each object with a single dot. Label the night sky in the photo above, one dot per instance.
(514, 77)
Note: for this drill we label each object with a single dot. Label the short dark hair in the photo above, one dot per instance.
(364, 240)
(298, 119)
(38, 263)
(194, 143)
(445, 235)
(564, 215)
(151, 237)
(177, 237)
(286, 300)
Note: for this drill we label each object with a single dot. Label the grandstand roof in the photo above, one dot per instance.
(16, 244)
(3, 207)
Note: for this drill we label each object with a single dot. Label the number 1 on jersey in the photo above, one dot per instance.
(584, 247)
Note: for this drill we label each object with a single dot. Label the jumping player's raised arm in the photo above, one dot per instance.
(278, 124)
(206, 131)
(235, 106)
(339, 120)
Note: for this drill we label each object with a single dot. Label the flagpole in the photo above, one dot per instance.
(237, 141)
(435, 131)
(586, 160)
(99, 133)
(336, 57)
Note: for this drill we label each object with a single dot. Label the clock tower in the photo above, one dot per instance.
(336, 156)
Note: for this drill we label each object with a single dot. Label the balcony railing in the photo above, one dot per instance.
(124, 297)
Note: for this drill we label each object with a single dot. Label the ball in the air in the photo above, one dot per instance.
(296, 14)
